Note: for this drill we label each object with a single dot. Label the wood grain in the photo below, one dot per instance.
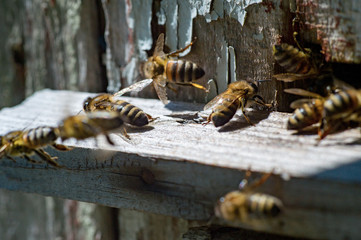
(194, 165)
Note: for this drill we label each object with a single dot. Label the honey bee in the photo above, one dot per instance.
(337, 112)
(89, 125)
(240, 205)
(163, 69)
(226, 104)
(29, 142)
(308, 111)
(297, 63)
(340, 108)
(128, 112)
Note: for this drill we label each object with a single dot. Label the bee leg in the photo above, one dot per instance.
(30, 159)
(125, 136)
(109, 140)
(176, 53)
(150, 118)
(61, 147)
(200, 87)
(124, 133)
(245, 116)
(259, 181)
(306, 50)
(195, 85)
(46, 157)
(10, 157)
(295, 34)
(260, 101)
(327, 128)
(209, 119)
(171, 88)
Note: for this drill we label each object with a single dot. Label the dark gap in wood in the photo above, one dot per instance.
(19, 63)
(101, 45)
(156, 29)
(114, 215)
(349, 73)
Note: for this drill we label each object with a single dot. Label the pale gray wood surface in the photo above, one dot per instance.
(193, 165)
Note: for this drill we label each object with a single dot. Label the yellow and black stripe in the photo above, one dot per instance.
(264, 205)
(292, 59)
(341, 102)
(40, 136)
(224, 112)
(130, 113)
(305, 116)
(180, 71)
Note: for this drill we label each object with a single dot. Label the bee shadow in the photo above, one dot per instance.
(185, 118)
(312, 130)
(134, 129)
(184, 106)
(239, 122)
(354, 142)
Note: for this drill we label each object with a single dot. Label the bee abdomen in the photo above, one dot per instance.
(39, 136)
(305, 116)
(290, 58)
(264, 205)
(340, 103)
(131, 114)
(183, 71)
(223, 113)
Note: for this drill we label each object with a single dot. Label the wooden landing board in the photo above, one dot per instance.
(178, 167)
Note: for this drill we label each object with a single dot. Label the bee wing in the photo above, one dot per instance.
(213, 102)
(159, 86)
(302, 92)
(2, 149)
(342, 85)
(291, 77)
(158, 50)
(258, 182)
(136, 87)
(300, 102)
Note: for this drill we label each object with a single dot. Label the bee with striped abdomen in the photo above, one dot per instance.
(90, 125)
(128, 112)
(301, 64)
(340, 108)
(307, 111)
(297, 63)
(29, 142)
(337, 112)
(226, 104)
(163, 69)
(244, 203)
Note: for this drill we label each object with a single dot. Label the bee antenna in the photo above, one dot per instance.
(243, 184)
(264, 80)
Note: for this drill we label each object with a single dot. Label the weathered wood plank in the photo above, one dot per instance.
(194, 165)
(148, 226)
(234, 41)
(62, 46)
(12, 62)
(335, 25)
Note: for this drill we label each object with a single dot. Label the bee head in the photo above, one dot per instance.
(254, 86)
(217, 208)
(277, 49)
(86, 104)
